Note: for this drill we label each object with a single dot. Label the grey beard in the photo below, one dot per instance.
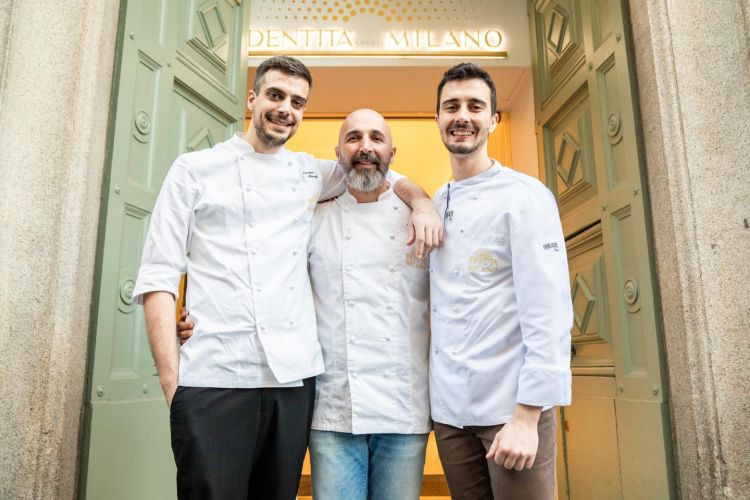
(366, 180)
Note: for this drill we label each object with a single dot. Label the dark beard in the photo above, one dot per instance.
(270, 140)
(465, 149)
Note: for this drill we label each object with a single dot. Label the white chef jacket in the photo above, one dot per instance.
(238, 223)
(371, 298)
(501, 307)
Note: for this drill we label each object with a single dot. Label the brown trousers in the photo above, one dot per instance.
(471, 476)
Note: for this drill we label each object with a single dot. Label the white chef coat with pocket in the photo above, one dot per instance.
(501, 311)
(237, 222)
(371, 299)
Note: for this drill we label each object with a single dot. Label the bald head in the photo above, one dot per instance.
(362, 121)
(365, 149)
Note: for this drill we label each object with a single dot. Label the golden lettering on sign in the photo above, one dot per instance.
(448, 40)
(335, 40)
(302, 39)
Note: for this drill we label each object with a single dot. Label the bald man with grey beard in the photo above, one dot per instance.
(371, 418)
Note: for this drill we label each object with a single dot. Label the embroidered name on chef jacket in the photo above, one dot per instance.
(552, 246)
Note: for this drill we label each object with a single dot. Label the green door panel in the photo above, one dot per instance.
(181, 86)
(589, 147)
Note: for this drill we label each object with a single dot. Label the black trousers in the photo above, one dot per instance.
(240, 443)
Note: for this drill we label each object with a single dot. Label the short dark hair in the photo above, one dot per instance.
(468, 71)
(285, 64)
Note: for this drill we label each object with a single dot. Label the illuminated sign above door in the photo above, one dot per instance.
(385, 28)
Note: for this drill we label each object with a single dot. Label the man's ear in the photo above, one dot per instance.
(393, 153)
(494, 121)
(251, 100)
(338, 154)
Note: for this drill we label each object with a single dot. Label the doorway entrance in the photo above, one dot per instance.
(569, 119)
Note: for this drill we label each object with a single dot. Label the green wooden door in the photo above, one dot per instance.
(615, 435)
(181, 86)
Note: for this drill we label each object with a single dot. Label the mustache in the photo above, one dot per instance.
(363, 156)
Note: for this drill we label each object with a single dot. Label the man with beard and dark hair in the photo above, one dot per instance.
(372, 418)
(236, 218)
(501, 312)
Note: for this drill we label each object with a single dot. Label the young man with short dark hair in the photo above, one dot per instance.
(236, 218)
(501, 312)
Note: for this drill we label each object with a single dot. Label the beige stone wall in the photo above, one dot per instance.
(693, 64)
(56, 61)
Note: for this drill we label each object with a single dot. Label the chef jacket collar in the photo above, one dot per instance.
(244, 148)
(348, 199)
(481, 177)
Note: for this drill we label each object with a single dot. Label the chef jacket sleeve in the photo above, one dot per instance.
(165, 250)
(540, 277)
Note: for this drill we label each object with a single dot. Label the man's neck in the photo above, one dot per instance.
(258, 146)
(465, 166)
(368, 196)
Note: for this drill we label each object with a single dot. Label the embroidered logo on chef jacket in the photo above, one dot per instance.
(482, 261)
(414, 262)
(310, 174)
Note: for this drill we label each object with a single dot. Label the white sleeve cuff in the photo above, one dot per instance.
(544, 386)
(151, 279)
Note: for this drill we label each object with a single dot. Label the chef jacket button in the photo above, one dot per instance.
(291, 287)
(289, 164)
(435, 350)
(350, 303)
(389, 307)
(395, 207)
(258, 290)
(294, 252)
(434, 309)
(461, 230)
(348, 236)
(354, 374)
(251, 223)
(475, 197)
(348, 269)
(248, 188)
(393, 236)
(387, 339)
(295, 220)
(385, 375)
(456, 271)
(262, 327)
(253, 252)
(394, 269)
(292, 323)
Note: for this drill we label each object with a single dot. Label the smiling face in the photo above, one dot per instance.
(277, 109)
(365, 149)
(465, 117)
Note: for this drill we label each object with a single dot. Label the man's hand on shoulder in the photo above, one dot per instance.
(425, 228)
(516, 444)
(184, 327)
